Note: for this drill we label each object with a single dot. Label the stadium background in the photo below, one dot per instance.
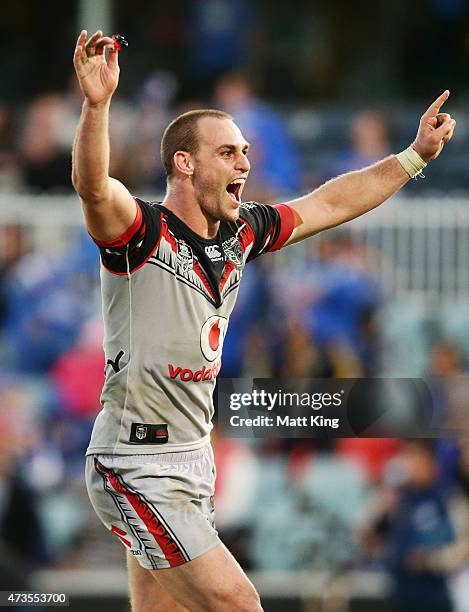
(319, 88)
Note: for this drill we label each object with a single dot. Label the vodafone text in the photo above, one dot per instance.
(186, 374)
(261, 398)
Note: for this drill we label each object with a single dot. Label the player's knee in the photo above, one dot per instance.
(242, 600)
(251, 604)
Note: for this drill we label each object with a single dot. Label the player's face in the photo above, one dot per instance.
(220, 168)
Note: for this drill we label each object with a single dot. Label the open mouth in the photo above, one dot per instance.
(234, 190)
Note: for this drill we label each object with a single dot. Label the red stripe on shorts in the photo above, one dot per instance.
(170, 548)
(120, 534)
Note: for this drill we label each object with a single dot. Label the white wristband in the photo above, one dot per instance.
(411, 161)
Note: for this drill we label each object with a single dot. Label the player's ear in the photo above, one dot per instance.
(183, 162)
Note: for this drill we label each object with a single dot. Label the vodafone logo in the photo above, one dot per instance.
(212, 335)
(186, 374)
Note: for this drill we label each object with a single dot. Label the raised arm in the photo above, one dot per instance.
(108, 207)
(351, 195)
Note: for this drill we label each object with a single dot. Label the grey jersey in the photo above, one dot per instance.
(167, 297)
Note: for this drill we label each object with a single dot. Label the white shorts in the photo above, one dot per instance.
(159, 506)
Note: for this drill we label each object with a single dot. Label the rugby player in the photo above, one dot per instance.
(170, 273)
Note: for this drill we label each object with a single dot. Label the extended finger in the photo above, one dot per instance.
(93, 39)
(435, 106)
(80, 45)
(91, 44)
(81, 38)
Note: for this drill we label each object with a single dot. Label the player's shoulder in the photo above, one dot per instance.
(149, 205)
(255, 213)
(249, 211)
(152, 211)
(129, 251)
(269, 225)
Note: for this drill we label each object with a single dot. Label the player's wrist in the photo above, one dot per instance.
(411, 161)
(101, 104)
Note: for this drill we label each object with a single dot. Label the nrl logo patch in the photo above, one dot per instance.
(185, 258)
(141, 432)
(233, 250)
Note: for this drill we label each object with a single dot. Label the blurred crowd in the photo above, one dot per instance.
(36, 143)
(310, 146)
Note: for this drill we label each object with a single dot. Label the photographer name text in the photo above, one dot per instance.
(314, 420)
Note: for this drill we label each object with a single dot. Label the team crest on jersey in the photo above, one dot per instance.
(233, 250)
(185, 257)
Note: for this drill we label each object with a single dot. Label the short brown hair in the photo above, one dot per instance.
(181, 134)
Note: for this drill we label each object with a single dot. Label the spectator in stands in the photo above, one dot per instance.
(9, 167)
(369, 142)
(83, 361)
(48, 300)
(218, 33)
(45, 161)
(330, 300)
(454, 558)
(22, 542)
(244, 341)
(14, 245)
(77, 403)
(276, 165)
(449, 390)
(139, 164)
(410, 521)
(373, 454)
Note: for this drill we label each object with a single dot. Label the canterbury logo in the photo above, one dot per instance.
(213, 251)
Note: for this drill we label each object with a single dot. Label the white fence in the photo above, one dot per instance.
(422, 247)
(418, 247)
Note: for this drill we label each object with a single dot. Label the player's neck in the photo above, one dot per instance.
(182, 202)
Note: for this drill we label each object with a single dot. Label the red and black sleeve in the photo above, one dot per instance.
(268, 227)
(130, 250)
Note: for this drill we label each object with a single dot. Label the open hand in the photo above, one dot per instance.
(435, 130)
(98, 78)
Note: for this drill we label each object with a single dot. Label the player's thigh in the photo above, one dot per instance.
(213, 582)
(146, 593)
